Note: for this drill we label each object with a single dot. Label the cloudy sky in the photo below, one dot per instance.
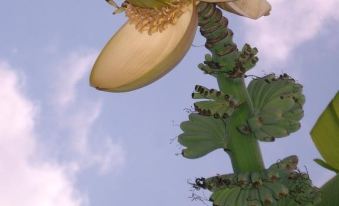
(64, 143)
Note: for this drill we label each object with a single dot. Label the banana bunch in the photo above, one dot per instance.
(218, 105)
(242, 61)
(209, 66)
(301, 189)
(247, 57)
(277, 103)
(280, 185)
(246, 60)
(202, 135)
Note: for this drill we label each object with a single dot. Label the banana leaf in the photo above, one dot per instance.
(325, 135)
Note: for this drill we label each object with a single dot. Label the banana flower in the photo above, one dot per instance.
(155, 38)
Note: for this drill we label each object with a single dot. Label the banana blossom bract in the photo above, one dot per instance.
(145, 49)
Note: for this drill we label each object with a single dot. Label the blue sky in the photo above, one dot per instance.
(64, 143)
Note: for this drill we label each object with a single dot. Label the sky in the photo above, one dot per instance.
(65, 143)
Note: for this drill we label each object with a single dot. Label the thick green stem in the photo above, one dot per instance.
(237, 87)
(243, 149)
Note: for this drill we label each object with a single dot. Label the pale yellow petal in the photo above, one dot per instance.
(132, 59)
(249, 8)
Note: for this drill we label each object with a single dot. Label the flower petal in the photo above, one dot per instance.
(249, 8)
(132, 59)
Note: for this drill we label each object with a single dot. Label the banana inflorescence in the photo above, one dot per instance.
(226, 58)
(277, 103)
(235, 117)
(243, 61)
(281, 184)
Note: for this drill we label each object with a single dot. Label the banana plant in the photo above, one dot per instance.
(236, 116)
(233, 117)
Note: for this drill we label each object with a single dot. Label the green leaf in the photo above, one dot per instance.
(202, 135)
(325, 133)
(330, 192)
(325, 165)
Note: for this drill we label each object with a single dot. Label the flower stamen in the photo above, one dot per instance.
(155, 19)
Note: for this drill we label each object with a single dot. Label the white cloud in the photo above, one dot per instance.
(26, 179)
(78, 113)
(70, 72)
(104, 154)
(112, 156)
(290, 24)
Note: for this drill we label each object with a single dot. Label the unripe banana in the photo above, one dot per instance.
(266, 196)
(289, 163)
(254, 123)
(256, 88)
(283, 88)
(279, 185)
(274, 88)
(218, 196)
(258, 92)
(285, 123)
(295, 126)
(295, 115)
(263, 136)
(299, 99)
(277, 101)
(242, 198)
(270, 118)
(252, 86)
(275, 131)
(283, 104)
(266, 94)
(279, 190)
(232, 197)
(253, 197)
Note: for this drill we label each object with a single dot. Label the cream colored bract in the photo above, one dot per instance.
(148, 47)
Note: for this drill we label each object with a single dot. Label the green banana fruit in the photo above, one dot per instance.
(283, 104)
(279, 190)
(243, 195)
(277, 103)
(275, 131)
(253, 197)
(266, 196)
(232, 197)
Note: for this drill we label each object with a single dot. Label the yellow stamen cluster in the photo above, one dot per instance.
(155, 19)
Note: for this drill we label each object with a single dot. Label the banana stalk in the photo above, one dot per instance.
(244, 152)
